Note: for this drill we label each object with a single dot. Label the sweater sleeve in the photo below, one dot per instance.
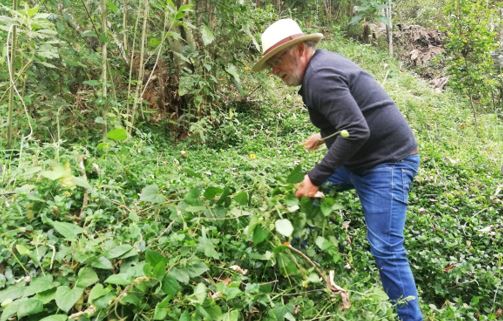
(330, 96)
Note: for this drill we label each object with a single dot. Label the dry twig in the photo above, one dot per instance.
(329, 280)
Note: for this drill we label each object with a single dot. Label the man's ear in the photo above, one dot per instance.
(301, 47)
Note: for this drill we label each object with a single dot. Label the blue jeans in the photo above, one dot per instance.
(383, 191)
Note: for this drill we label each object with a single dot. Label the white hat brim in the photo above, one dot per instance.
(261, 64)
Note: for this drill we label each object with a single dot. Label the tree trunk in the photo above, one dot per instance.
(104, 61)
(389, 28)
(125, 27)
(141, 71)
(12, 70)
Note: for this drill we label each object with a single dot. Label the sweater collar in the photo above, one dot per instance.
(308, 70)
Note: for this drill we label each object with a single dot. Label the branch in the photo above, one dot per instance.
(329, 280)
(86, 195)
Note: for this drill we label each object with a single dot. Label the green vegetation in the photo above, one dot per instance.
(470, 42)
(106, 215)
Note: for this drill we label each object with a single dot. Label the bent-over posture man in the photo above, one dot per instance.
(379, 159)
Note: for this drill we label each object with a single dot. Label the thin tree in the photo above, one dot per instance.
(12, 70)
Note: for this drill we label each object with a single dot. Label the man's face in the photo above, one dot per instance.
(286, 65)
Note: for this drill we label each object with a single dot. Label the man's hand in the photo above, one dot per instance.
(306, 188)
(313, 142)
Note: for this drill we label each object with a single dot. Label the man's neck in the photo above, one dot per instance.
(308, 56)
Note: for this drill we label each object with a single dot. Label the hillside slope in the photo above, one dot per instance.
(145, 228)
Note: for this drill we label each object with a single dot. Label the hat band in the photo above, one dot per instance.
(279, 43)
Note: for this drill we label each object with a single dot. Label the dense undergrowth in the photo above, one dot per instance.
(142, 228)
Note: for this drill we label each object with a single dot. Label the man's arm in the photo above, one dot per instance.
(330, 96)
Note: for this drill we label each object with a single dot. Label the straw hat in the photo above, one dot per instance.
(280, 36)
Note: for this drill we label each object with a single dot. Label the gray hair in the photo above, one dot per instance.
(311, 43)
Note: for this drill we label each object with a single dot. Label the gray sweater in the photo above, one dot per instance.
(340, 95)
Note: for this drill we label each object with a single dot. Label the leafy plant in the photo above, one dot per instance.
(469, 44)
(370, 11)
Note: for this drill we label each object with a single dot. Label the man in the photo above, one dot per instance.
(378, 158)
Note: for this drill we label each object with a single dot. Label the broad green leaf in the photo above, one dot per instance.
(296, 175)
(241, 198)
(22, 249)
(161, 309)
(170, 285)
(103, 147)
(11, 309)
(97, 292)
(193, 196)
(119, 279)
(31, 12)
(82, 182)
(154, 42)
(47, 51)
(289, 316)
(207, 247)
(232, 315)
(56, 317)
(86, 277)
(66, 297)
(185, 7)
(314, 278)
(118, 251)
(207, 35)
(62, 173)
(322, 243)
(260, 234)
(155, 271)
(154, 257)
(117, 134)
(179, 274)
(292, 203)
(210, 311)
(185, 316)
(355, 19)
(12, 293)
(328, 205)
(101, 263)
(233, 71)
(229, 291)
(200, 293)
(47, 296)
(211, 192)
(133, 299)
(105, 301)
(185, 83)
(151, 194)
(284, 227)
(197, 268)
(29, 307)
(70, 231)
(38, 285)
(130, 253)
